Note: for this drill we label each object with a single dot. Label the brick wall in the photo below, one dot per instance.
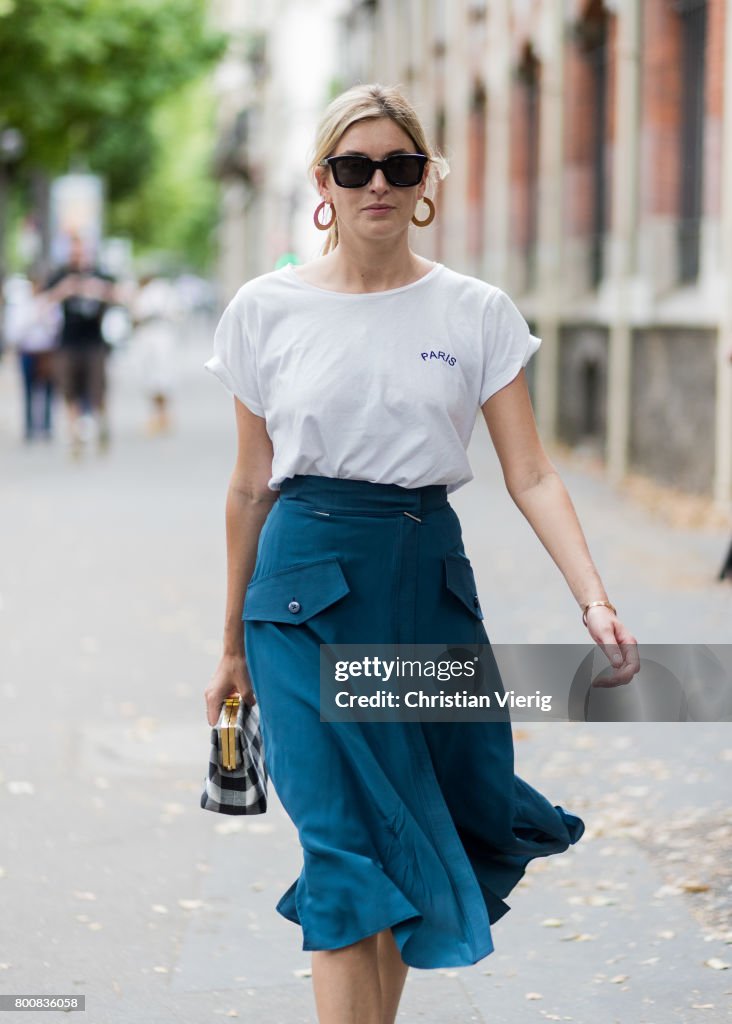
(578, 122)
(660, 109)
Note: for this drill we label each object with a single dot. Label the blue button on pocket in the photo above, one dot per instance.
(317, 584)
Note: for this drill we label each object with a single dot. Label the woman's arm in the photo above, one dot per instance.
(248, 503)
(537, 489)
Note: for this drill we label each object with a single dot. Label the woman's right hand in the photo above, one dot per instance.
(231, 677)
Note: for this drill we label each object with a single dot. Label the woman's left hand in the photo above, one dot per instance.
(618, 643)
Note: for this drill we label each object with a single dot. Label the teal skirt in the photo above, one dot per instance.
(421, 827)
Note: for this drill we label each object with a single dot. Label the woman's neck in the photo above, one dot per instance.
(354, 268)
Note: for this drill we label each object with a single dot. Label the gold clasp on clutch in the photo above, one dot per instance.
(228, 732)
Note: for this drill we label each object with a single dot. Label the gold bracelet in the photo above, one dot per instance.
(592, 604)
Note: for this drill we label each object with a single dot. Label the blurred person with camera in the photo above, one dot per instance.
(84, 292)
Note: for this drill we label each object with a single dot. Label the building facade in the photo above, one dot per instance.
(590, 147)
(271, 88)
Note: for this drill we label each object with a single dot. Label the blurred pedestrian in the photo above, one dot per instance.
(198, 305)
(32, 328)
(84, 292)
(357, 378)
(156, 317)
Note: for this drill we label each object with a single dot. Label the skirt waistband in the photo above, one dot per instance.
(362, 495)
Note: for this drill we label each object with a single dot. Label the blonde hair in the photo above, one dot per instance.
(363, 103)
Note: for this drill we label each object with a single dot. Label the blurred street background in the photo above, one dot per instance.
(152, 158)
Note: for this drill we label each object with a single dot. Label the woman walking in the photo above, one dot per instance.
(357, 379)
(156, 316)
(33, 329)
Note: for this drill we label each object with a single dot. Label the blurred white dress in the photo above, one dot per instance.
(156, 313)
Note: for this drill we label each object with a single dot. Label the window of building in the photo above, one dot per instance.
(439, 23)
(693, 23)
(439, 224)
(526, 160)
(590, 385)
(477, 174)
(592, 38)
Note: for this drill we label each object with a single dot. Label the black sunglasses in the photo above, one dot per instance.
(402, 169)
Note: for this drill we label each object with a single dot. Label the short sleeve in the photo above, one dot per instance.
(233, 360)
(508, 345)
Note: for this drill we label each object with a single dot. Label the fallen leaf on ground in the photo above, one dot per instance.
(585, 743)
(260, 827)
(666, 890)
(19, 787)
(225, 828)
(601, 901)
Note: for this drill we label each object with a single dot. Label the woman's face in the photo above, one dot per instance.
(378, 210)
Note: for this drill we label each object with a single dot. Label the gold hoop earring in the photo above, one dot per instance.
(430, 216)
(316, 216)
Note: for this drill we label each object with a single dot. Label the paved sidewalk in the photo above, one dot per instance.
(115, 884)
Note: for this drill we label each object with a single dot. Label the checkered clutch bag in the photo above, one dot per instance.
(237, 774)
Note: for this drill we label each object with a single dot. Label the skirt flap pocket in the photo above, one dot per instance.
(461, 581)
(295, 594)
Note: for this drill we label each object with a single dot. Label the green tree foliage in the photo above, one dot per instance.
(81, 78)
(174, 209)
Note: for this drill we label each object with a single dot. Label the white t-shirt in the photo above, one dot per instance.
(382, 386)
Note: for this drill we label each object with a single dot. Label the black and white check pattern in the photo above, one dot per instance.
(242, 790)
